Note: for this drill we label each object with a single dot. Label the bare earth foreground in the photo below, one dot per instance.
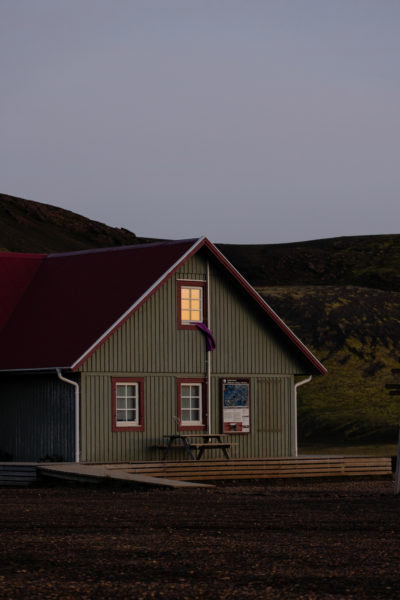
(279, 539)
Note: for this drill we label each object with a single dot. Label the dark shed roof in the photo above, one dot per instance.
(56, 309)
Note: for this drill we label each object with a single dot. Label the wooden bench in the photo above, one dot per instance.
(209, 442)
(224, 446)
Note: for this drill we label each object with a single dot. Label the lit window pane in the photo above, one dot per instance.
(191, 304)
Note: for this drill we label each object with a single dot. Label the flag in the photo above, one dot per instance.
(210, 341)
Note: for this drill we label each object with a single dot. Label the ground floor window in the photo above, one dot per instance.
(128, 405)
(191, 404)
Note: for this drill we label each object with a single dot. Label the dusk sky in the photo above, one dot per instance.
(246, 121)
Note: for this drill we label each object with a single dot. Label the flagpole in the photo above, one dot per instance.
(208, 354)
(397, 476)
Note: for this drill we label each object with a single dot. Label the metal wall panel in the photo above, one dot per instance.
(37, 418)
(271, 420)
(150, 345)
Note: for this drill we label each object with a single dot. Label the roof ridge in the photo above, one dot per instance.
(122, 248)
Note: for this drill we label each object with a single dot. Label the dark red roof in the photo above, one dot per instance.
(16, 273)
(72, 299)
(55, 309)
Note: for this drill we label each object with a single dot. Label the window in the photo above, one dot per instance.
(128, 406)
(191, 305)
(191, 404)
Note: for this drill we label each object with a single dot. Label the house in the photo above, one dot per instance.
(105, 352)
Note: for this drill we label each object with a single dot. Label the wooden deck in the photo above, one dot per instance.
(189, 473)
(100, 473)
(263, 468)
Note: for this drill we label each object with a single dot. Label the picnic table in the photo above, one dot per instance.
(198, 443)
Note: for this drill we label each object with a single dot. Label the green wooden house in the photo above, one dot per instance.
(105, 352)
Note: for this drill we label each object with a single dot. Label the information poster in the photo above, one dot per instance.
(235, 406)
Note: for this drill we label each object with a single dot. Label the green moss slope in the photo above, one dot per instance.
(355, 332)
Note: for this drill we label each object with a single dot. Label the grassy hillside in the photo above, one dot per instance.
(354, 332)
(341, 296)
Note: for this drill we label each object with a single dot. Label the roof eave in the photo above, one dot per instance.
(35, 370)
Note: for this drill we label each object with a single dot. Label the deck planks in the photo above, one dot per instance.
(219, 469)
(187, 473)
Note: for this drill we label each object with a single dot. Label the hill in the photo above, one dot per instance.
(341, 296)
(367, 261)
(354, 331)
(28, 226)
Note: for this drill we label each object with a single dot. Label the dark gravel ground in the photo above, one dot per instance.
(279, 539)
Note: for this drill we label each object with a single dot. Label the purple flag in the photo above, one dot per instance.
(210, 341)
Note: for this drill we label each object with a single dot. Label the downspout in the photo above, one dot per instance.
(208, 354)
(76, 386)
(296, 385)
(397, 475)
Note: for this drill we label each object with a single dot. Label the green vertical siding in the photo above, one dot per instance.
(271, 420)
(149, 342)
(150, 345)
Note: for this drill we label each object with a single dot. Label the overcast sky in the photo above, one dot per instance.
(245, 121)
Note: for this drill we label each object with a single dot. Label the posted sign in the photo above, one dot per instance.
(235, 406)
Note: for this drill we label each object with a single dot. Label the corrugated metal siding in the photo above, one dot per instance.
(37, 418)
(244, 341)
(149, 345)
(101, 444)
(271, 417)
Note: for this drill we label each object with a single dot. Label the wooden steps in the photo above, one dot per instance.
(16, 474)
(204, 470)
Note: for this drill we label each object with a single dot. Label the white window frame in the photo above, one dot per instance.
(126, 423)
(199, 408)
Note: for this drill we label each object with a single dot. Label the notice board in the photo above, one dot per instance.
(235, 406)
